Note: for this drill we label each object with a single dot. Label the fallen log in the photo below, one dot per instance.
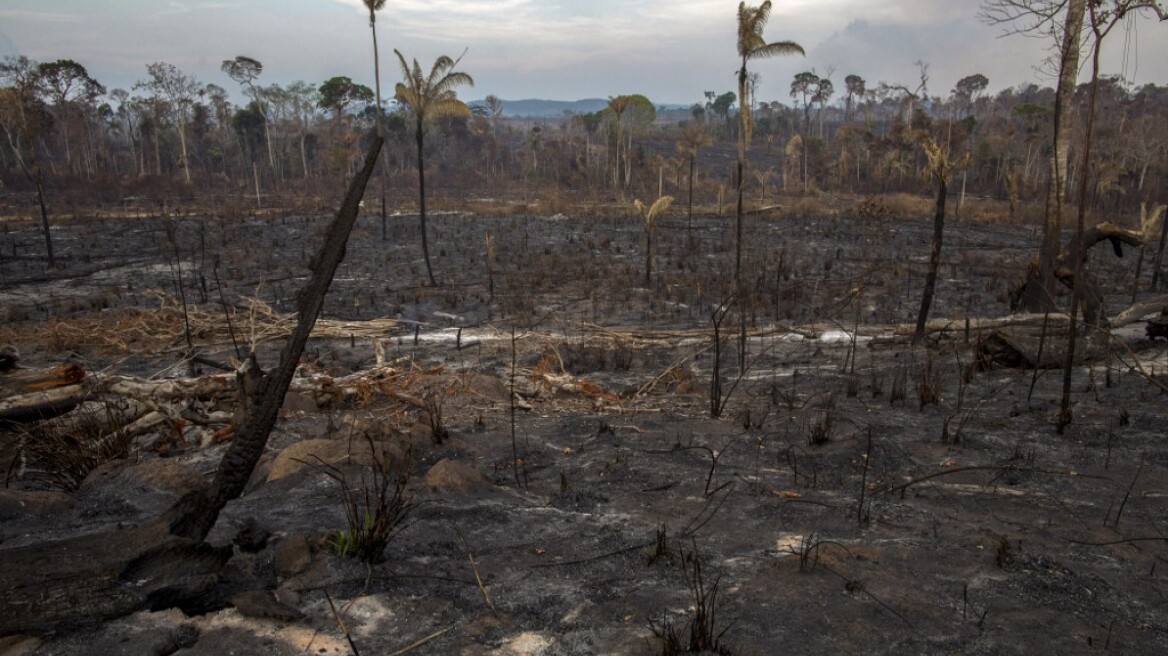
(30, 394)
(40, 405)
(1024, 349)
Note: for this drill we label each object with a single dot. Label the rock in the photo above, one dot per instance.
(251, 537)
(293, 556)
(149, 486)
(16, 504)
(455, 476)
(332, 452)
(489, 387)
(261, 604)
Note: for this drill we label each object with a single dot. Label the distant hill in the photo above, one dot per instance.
(537, 108)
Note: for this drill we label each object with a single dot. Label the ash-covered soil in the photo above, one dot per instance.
(855, 496)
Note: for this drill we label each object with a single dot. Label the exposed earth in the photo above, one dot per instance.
(857, 494)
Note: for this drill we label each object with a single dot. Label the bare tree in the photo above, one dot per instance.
(244, 71)
(1042, 17)
(25, 119)
(62, 83)
(940, 166)
(179, 89)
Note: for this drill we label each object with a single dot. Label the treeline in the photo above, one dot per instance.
(173, 134)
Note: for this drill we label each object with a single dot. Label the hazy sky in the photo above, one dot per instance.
(556, 49)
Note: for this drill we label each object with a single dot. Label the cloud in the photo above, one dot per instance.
(38, 16)
(7, 47)
(183, 8)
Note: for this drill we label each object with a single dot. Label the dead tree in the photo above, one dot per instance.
(939, 166)
(80, 581)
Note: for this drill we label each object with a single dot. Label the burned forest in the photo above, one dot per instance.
(321, 367)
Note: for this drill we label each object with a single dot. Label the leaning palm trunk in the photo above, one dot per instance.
(268, 394)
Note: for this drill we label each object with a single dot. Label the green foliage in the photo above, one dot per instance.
(338, 93)
(723, 104)
(248, 123)
(375, 507)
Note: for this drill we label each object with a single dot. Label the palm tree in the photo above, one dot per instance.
(429, 97)
(375, 6)
(649, 214)
(751, 45)
(693, 137)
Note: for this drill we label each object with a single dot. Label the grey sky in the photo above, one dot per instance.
(556, 49)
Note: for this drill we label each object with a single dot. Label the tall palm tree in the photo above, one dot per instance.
(429, 97)
(375, 6)
(751, 45)
(693, 137)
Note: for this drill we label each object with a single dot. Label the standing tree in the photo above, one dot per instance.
(965, 95)
(26, 120)
(494, 112)
(304, 99)
(803, 88)
(1042, 16)
(179, 89)
(375, 6)
(939, 168)
(338, 93)
(751, 46)
(855, 89)
(721, 107)
(693, 137)
(244, 71)
(649, 214)
(617, 106)
(63, 83)
(1102, 18)
(823, 92)
(429, 97)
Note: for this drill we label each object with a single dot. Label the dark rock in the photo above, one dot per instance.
(263, 605)
(252, 537)
(127, 488)
(17, 504)
(178, 573)
(455, 476)
(293, 556)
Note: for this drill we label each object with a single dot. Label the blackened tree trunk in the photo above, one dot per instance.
(268, 394)
(419, 137)
(40, 189)
(934, 256)
(1038, 293)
